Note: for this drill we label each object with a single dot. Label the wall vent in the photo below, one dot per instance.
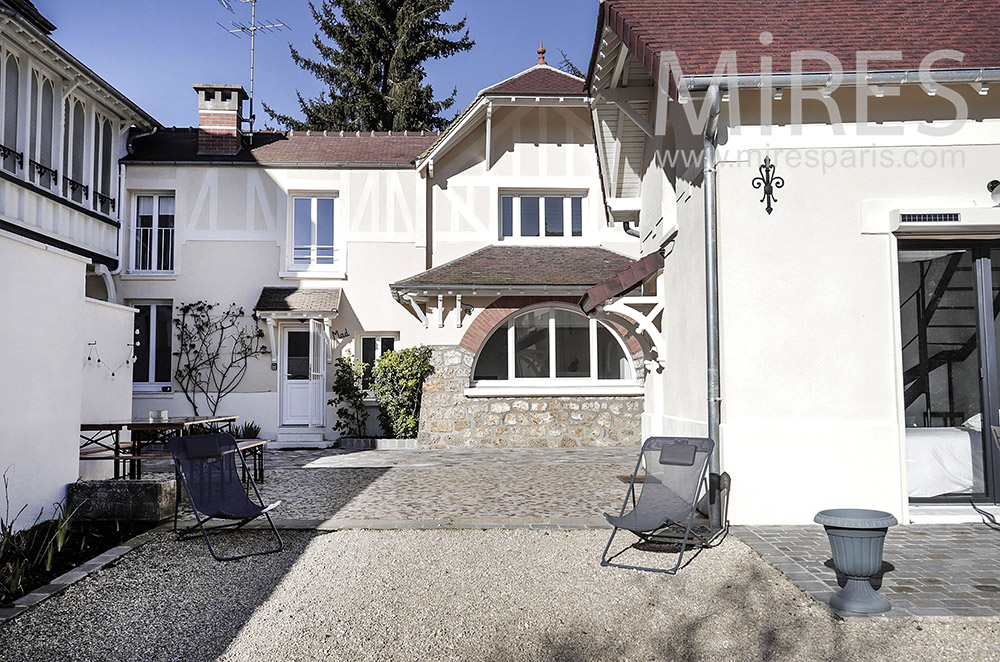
(930, 218)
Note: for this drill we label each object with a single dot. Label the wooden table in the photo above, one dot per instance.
(106, 436)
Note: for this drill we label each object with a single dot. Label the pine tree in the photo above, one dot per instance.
(372, 61)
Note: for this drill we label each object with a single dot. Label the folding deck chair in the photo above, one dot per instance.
(206, 466)
(666, 510)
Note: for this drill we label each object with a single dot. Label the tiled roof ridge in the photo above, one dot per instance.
(325, 134)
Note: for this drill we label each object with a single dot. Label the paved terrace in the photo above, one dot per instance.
(937, 571)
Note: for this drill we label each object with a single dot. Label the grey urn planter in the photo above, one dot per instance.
(857, 537)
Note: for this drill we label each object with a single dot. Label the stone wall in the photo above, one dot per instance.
(449, 419)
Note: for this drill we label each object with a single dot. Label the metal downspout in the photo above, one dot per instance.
(712, 303)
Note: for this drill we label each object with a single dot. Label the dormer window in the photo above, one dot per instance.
(541, 216)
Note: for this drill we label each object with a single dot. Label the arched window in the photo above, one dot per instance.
(73, 144)
(11, 79)
(552, 343)
(103, 159)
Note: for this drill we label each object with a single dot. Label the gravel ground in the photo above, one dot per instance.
(458, 595)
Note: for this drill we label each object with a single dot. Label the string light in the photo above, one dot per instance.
(94, 358)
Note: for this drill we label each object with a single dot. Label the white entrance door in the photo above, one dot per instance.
(303, 379)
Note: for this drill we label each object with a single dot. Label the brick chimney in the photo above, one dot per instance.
(220, 119)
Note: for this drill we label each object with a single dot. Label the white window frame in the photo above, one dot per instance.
(69, 154)
(35, 126)
(154, 386)
(19, 170)
(359, 339)
(134, 267)
(335, 270)
(567, 218)
(99, 157)
(554, 385)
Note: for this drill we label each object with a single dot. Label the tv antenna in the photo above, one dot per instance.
(241, 29)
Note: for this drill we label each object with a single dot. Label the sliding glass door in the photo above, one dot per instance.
(949, 312)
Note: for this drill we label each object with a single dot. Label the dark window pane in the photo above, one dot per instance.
(297, 355)
(612, 363)
(140, 372)
(492, 363)
(388, 344)
(572, 344)
(529, 217)
(302, 231)
(164, 331)
(10, 107)
(553, 217)
(324, 231)
(577, 211)
(531, 345)
(507, 216)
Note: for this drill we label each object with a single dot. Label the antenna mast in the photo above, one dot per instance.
(240, 28)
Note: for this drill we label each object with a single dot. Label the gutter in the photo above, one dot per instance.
(848, 79)
(711, 137)
(122, 190)
(386, 165)
(403, 289)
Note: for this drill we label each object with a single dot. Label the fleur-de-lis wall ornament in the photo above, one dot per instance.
(769, 182)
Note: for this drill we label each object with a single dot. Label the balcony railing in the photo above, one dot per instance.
(153, 250)
(70, 188)
(103, 203)
(8, 153)
(44, 175)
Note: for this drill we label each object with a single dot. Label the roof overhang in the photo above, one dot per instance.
(293, 303)
(402, 291)
(622, 283)
(477, 111)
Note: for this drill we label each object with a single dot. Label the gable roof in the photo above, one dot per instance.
(540, 80)
(698, 32)
(291, 148)
(566, 267)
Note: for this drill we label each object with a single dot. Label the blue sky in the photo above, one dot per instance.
(154, 50)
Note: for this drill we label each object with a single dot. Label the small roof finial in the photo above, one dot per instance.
(541, 53)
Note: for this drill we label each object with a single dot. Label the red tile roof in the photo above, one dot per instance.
(698, 31)
(511, 266)
(541, 80)
(290, 148)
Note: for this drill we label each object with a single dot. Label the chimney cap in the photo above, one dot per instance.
(228, 88)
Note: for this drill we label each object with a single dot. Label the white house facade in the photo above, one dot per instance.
(68, 344)
(477, 241)
(849, 357)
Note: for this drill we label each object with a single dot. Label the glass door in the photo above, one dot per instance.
(948, 313)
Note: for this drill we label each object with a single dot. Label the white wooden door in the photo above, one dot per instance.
(296, 407)
(317, 373)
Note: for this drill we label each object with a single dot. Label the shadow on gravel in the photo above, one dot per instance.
(166, 600)
(741, 607)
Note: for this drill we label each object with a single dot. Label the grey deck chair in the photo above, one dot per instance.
(666, 508)
(206, 466)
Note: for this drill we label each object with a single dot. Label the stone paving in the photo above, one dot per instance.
(468, 487)
(928, 570)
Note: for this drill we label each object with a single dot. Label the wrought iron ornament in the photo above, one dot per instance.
(769, 182)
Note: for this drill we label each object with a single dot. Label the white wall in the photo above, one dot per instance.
(107, 386)
(41, 381)
(811, 399)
